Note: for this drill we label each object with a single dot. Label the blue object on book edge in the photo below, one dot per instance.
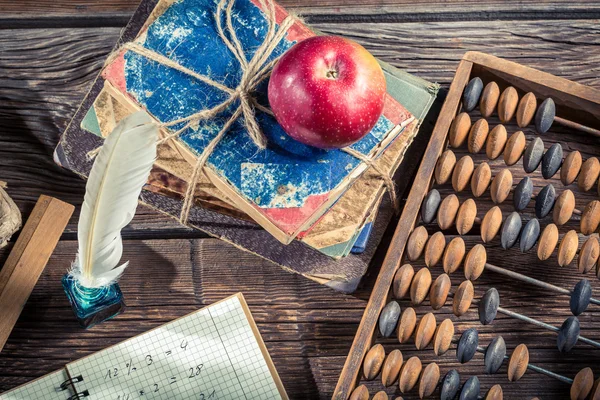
(93, 305)
(361, 242)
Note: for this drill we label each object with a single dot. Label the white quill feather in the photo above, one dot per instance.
(119, 172)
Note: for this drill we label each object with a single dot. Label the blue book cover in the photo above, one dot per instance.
(286, 187)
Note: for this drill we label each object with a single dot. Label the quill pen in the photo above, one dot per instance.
(119, 172)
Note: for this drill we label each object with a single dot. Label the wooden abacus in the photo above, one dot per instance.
(505, 81)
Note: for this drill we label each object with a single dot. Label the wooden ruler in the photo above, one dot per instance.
(28, 259)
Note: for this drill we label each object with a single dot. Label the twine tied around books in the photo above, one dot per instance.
(254, 71)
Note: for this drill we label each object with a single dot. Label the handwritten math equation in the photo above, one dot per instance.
(131, 368)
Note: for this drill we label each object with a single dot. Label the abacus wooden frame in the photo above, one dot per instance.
(574, 101)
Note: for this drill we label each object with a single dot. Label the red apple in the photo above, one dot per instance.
(327, 92)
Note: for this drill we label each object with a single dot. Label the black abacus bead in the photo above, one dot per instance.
(529, 235)
(544, 116)
(568, 334)
(430, 206)
(494, 355)
(388, 319)
(467, 345)
(580, 297)
(470, 390)
(450, 385)
(533, 155)
(544, 201)
(472, 93)
(511, 230)
(522, 193)
(488, 306)
(552, 161)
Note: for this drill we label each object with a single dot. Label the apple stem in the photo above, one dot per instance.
(332, 74)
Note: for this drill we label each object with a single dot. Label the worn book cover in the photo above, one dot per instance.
(415, 94)
(287, 186)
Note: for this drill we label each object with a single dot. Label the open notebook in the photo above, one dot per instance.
(212, 353)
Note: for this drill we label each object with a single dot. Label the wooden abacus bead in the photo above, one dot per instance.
(588, 255)
(515, 146)
(544, 201)
(465, 217)
(522, 194)
(388, 319)
(552, 160)
(526, 110)
(595, 395)
(420, 285)
(563, 207)
(402, 281)
(507, 104)
(533, 155)
(467, 345)
(568, 334)
(430, 206)
(588, 174)
(475, 262)
(454, 255)
(482, 176)
(489, 99)
(496, 142)
(548, 242)
(529, 235)
(461, 176)
(517, 365)
(590, 219)
(511, 230)
(434, 249)
(494, 355)
(570, 168)
(477, 135)
(450, 385)
(488, 306)
(472, 93)
(459, 130)
(438, 293)
(491, 224)
(425, 331)
(447, 212)
(407, 324)
(501, 186)
(470, 390)
(381, 395)
(429, 380)
(463, 298)
(444, 167)
(495, 393)
(391, 367)
(360, 393)
(416, 243)
(373, 362)
(582, 384)
(442, 340)
(409, 375)
(568, 248)
(544, 116)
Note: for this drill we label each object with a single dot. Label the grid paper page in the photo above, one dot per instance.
(209, 354)
(45, 388)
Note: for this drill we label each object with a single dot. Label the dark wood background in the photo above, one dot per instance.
(51, 50)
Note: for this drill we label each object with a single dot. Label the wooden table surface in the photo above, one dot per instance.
(50, 52)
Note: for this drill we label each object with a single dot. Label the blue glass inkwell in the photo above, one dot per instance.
(93, 305)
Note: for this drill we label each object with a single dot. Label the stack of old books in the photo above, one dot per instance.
(318, 213)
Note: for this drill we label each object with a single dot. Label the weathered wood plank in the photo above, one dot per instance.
(116, 13)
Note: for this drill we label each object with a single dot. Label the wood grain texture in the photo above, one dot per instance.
(308, 328)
